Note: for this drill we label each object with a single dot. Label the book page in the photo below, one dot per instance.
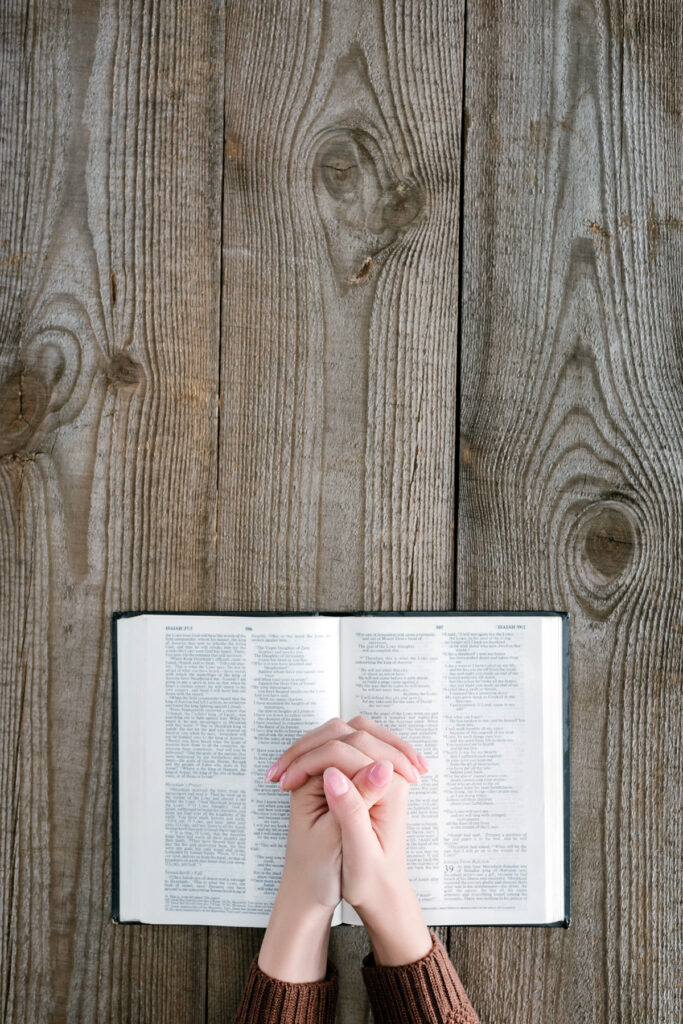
(467, 692)
(224, 696)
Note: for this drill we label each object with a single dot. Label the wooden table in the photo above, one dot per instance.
(340, 305)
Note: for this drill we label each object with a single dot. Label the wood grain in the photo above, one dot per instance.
(571, 466)
(110, 334)
(260, 202)
(338, 358)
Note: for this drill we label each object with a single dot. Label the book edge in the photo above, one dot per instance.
(115, 864)
(566, 731)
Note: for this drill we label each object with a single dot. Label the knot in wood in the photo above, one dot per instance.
(124, 371)
(362, 205)
(402, 205)
(609, 542)
(23, 400)
(604, 549)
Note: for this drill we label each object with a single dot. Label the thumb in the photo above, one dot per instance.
(372, 781)
(349, 808)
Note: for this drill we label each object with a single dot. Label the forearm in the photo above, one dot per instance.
(296, 942)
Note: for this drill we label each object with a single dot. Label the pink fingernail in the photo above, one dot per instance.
(335, 781)
(282, 780)
(424, 762)
(381, 772)
(271, 771)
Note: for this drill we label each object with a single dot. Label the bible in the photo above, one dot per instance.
(203, 703)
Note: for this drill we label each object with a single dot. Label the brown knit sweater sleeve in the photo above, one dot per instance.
(267, 1000)
(427, 991)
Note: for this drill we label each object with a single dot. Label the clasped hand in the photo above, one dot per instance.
(349, 785)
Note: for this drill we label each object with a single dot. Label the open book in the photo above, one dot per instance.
(204, 703)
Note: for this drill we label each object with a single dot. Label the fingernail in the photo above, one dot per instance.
(335, 781)
(271, 771)
(381, 772)
(416, 774)
(282, 780)
(424, 762)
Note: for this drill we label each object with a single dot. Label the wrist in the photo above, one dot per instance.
(396, 927)
(294, 948)
(388, 896)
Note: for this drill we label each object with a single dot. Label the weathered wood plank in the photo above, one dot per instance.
(571, 477)
(26, 214)
(339, 330)
(109, 342)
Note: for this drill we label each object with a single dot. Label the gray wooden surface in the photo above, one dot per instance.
(340, 305)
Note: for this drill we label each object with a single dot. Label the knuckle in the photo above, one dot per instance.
(336, 746)
(339, 726)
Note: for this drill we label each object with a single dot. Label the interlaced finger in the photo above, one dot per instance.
(334, 728)
(337, 728)
(335, 753)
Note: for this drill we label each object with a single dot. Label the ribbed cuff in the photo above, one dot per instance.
(267, 1000)
(428, 990)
